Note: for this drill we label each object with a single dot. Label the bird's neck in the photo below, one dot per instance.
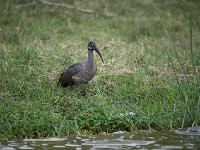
(90, 60)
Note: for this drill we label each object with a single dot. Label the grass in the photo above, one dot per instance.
(150, 79)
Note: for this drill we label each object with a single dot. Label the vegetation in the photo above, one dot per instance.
(150, 79)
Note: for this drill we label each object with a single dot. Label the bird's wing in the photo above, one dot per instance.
(68, 74)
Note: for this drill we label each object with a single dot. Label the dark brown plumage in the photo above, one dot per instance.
(81, 72)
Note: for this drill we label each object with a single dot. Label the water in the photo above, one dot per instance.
(177, 139)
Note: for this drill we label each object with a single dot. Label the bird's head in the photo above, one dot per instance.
(92, 46)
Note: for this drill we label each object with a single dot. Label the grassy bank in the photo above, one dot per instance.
(150, 79)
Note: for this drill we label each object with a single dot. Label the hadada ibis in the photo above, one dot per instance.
(81, 72)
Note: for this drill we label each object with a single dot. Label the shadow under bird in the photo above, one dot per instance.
(81, 72)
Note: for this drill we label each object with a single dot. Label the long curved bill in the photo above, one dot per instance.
(99, 55)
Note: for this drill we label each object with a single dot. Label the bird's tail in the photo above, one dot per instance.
(61, 82)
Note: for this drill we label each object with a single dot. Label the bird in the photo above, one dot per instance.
(81, 72)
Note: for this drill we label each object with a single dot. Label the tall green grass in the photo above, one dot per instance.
(188, 80)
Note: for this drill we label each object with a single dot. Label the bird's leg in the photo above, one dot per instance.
(84, 87)
(78, 90)
(85, 90)
(77, 82)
